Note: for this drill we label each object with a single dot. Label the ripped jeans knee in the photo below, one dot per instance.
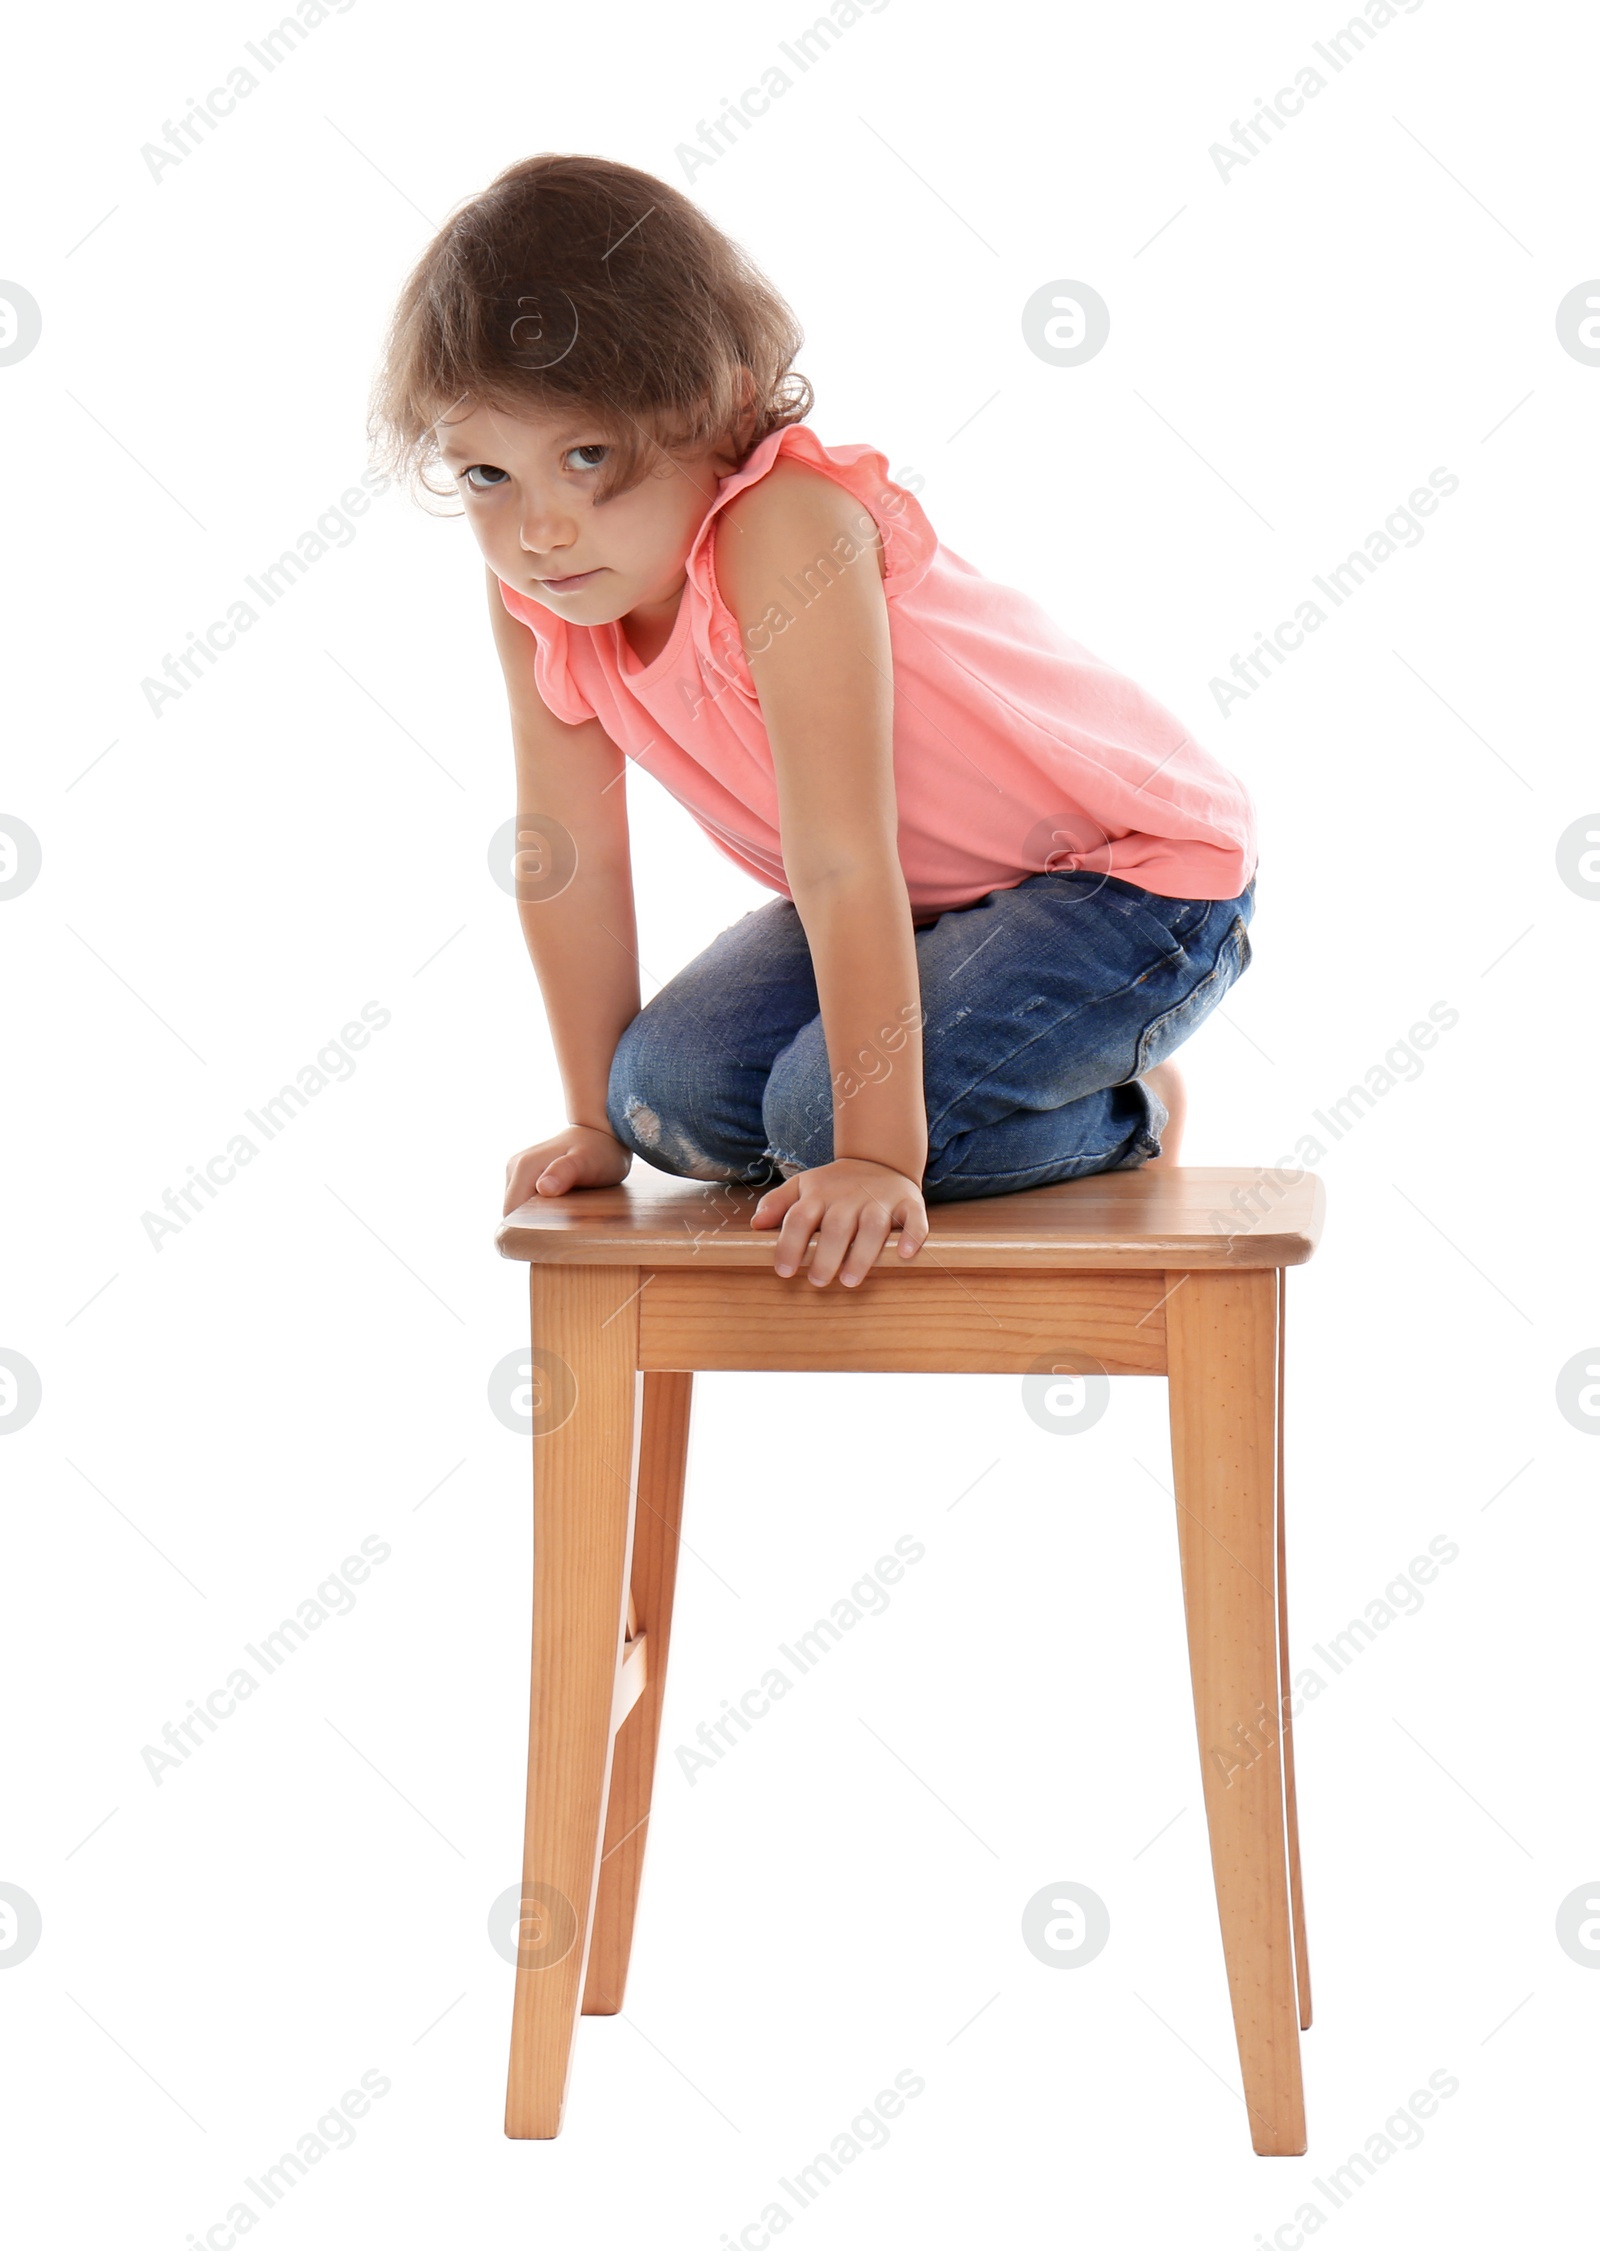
(663, 1144)
(652, 1110)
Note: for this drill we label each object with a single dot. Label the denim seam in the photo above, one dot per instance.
(1234, 939)
(1086, 1160)
(1144, 1143)
(1048, 1030)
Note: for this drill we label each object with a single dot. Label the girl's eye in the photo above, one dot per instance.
(492, 478)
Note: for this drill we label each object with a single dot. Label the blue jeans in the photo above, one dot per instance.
(1043, 1005)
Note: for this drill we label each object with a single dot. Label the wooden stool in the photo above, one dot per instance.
(1175, 1272)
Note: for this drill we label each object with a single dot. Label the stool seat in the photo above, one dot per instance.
(1176, 1272)
(1202, 1216)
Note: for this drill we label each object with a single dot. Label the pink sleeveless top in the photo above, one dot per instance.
(1015, 749)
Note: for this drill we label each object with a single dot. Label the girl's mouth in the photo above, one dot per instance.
(570, 585)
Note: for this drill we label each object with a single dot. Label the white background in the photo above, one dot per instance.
(306, 1364)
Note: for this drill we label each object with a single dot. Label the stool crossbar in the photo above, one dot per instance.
(1162, 1272)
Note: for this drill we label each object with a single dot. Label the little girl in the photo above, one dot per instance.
(1009, 882)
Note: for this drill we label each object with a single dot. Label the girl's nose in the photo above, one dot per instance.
(544, 528)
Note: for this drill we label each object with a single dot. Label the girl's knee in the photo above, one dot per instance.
(652, 1106)
(638, 1096)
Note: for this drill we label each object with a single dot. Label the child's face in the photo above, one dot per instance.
(527, 487)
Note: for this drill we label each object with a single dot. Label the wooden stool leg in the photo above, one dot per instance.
(1297, 1904)
(1222, 1354)
(585, 1451)
(658, 1511)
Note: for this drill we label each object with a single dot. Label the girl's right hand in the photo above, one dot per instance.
(576, 1157)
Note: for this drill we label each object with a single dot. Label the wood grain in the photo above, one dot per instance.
(1222, 1341)
(663, 1455)
(1194, 1217)
(1291, 1808)
(915, 1320)
(583, 1478)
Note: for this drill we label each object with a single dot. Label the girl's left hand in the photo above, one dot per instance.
(851, 1206)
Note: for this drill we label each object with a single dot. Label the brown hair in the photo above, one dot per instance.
(574, 281)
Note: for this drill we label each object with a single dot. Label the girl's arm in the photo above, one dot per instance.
(823, 669)
(581, 936)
